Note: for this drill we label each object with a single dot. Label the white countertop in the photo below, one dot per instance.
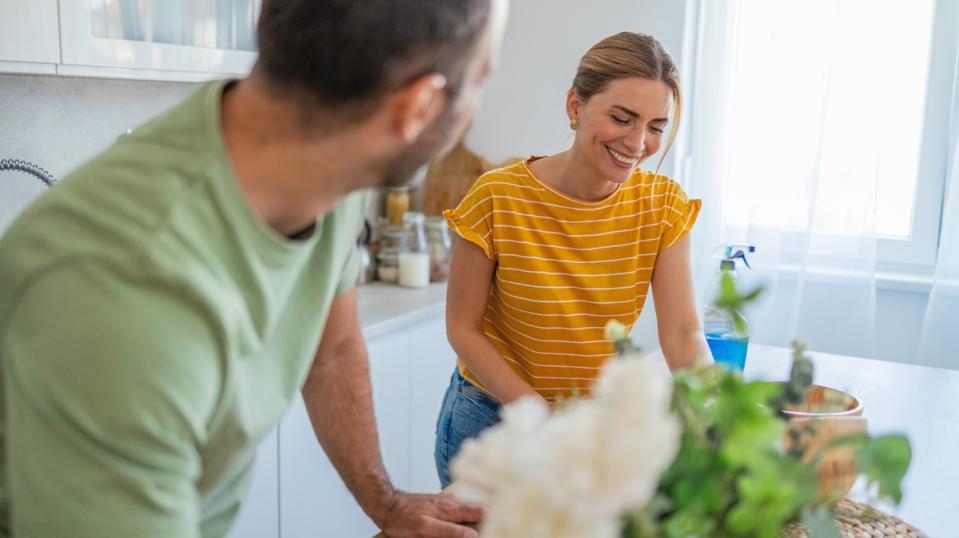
(384, 308)
(920, 401)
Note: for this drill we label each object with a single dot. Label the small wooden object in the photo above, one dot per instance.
(450, 176)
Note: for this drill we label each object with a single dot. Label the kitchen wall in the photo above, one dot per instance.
(60, 122)
(523, 112)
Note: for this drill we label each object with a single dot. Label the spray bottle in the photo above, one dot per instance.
(727, 344)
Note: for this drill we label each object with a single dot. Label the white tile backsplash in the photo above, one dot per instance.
(60, 122)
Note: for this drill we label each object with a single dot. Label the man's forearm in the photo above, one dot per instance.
(339, 400)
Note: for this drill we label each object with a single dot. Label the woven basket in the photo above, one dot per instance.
(837, 470)
(828, 413)
(863, 522)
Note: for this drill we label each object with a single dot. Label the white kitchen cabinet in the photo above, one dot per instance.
(260, 515)
(390, 367)
(157, 39)
(28, 36)
(432, 361)
(313, 499)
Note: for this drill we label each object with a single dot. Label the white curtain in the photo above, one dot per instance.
(790, 154)
(940, 328)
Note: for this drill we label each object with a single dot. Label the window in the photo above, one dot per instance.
(844, 103)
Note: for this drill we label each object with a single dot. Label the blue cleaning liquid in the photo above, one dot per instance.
(728, 350)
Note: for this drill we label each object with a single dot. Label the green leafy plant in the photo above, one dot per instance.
(733, 476)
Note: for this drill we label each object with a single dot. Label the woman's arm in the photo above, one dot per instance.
(680, 333)
(471, 274)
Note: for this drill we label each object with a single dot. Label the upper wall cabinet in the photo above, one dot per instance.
(28, 36)
(184, 40)
(158, 39)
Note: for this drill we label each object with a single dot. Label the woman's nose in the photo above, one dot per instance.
(635, 141)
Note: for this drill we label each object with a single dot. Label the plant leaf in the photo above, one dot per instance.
(820, 523)
(885, 460)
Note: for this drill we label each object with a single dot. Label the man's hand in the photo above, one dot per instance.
(412, 515)
(339, 401)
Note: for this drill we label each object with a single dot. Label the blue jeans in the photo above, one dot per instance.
(465, 413)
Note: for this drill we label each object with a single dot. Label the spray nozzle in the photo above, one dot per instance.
(732, 252)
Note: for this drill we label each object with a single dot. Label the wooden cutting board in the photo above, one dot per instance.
(450, 176)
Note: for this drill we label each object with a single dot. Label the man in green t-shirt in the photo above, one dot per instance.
(160, 308)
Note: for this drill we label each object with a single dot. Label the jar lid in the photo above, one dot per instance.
(389, 255)
(393, 231)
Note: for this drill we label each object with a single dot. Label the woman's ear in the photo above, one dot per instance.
(417, 105)
(573, 105)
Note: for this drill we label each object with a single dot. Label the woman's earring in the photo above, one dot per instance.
(573, 124)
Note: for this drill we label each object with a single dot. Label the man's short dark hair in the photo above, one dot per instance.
(349, 53)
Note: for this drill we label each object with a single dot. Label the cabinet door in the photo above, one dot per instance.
(432, 362)
(313, 499)
(260, 515)
(390, 372)
(172, 39)
(28, 33)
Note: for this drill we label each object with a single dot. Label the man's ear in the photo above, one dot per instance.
(417, 104)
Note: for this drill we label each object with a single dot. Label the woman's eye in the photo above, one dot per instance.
(621, 121)
(656, 130)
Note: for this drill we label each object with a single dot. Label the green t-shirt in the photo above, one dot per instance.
(152, 331)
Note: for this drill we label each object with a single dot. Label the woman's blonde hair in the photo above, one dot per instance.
(627, 55)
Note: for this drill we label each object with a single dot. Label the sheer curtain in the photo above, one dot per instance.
(797, 149)
(941, 322)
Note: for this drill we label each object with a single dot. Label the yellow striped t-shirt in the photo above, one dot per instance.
(564, 267)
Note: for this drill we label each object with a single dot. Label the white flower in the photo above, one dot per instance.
(577, 472)
(486, 464)
(635, 378)
(615, 331)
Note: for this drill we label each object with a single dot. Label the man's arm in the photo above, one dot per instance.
(339, 400)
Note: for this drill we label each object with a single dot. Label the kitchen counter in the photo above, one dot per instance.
(385, 308)
(920, 401)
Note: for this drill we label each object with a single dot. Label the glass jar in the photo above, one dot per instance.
(392, 236)
(398, 202)
(439, 245)
(388, 265)
(414, 257)
(388, 257)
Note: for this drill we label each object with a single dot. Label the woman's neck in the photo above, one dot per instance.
(574, 176)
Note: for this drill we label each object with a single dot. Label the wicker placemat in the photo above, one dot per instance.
(865, 522)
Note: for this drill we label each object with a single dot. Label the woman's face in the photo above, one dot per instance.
(622, 126)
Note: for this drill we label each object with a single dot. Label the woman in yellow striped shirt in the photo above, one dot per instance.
(555, 247)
